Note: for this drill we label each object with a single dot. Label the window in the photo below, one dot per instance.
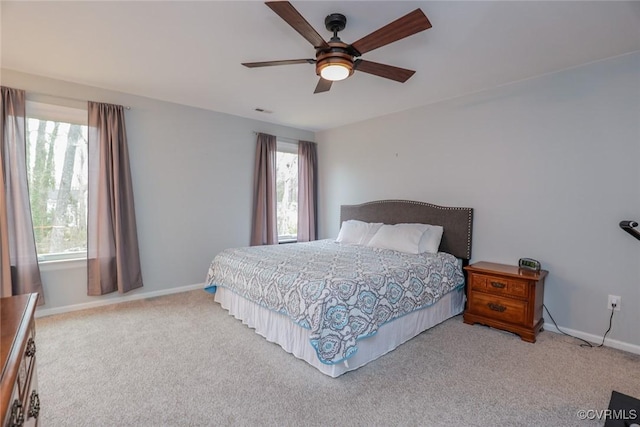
(57, 177)
(287, 191)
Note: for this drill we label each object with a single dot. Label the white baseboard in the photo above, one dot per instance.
(143, 295)
(608, 342)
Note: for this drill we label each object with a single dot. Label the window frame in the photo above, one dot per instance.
(52, 111)
(290, 147)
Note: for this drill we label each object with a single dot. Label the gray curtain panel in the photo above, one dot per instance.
(264, 225)
(307, 191)
(112, 238)
(18, 242)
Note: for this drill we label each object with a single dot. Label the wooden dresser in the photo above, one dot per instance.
(20, 403)
(505, 297)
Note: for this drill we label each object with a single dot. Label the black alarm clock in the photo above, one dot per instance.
(529, 264)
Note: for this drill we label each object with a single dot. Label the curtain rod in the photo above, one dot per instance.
(126, 107)
(281, 138)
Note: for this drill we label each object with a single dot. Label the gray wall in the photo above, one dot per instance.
(551, 165)
(192, 172)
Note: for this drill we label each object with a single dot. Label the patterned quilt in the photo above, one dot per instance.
(341, 293)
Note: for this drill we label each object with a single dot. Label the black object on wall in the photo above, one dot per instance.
(630, 227)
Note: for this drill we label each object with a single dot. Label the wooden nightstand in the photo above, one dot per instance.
(505, 297)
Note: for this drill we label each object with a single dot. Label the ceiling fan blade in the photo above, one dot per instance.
(286, 11)
(406, 26)
(283, 62)
(382, 70)
(323, 85)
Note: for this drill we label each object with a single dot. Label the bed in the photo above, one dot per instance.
(339, 306)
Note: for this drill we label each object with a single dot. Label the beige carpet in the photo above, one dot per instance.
(181, 360)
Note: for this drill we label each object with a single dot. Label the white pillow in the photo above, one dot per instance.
(399, 237)
(372, 229)
(430, 241)
(357, 232)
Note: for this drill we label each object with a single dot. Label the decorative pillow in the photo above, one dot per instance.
(430, 240)
(357, 232)
(399, 237)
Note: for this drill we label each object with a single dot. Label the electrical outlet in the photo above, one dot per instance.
(614, 299)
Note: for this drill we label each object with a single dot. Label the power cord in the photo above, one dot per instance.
(585, 342)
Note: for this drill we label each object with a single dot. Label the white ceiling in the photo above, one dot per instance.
(190, 52)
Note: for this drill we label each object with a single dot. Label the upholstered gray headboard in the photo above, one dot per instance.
(457, 222)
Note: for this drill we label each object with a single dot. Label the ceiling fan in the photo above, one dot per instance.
(336, 60)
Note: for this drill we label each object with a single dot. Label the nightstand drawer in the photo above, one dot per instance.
(495, 307)
(499, 285)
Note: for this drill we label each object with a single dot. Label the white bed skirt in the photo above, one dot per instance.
(279, 329)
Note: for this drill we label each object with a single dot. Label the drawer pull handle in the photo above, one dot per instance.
(31, 348)
(34, 405)
(498, 285)
(497, 307)
(17, 416)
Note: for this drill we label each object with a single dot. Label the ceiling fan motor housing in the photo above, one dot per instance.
(338, 53)
(335, 22)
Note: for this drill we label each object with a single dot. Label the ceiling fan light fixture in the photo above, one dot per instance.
(334, 67)
(335, 72)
